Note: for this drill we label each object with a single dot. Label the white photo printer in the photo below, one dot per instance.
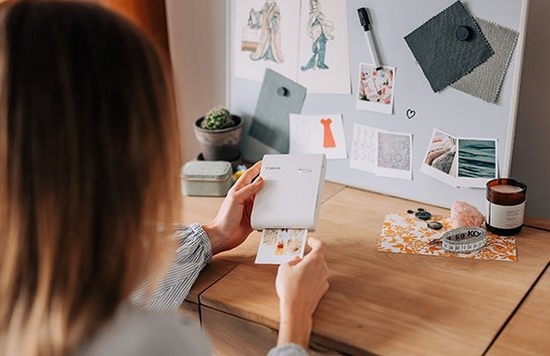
(291, 194)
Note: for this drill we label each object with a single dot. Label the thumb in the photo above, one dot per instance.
(294, 261)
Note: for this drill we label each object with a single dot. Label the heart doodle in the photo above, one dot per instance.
(410, 113)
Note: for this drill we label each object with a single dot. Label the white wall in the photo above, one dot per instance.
(197, 36)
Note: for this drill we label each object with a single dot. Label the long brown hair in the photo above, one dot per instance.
(89, 169)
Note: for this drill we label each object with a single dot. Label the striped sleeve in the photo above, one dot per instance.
(193, 253)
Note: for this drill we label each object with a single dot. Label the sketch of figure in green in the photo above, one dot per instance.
(269, 45)
(319, 30)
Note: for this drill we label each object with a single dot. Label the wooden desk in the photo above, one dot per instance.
(528, 333)
(378, 302)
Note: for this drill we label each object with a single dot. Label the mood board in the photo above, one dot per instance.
(431, 118)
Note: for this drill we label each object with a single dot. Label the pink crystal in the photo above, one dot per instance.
(464, 214)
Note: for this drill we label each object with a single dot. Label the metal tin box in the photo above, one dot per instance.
(207, 178)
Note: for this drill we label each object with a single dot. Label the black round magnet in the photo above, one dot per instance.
(463, 33)
(282, 91)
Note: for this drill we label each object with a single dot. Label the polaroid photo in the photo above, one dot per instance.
(477, 162)
(375, 88)
(281, 245)
(441, 158)
(394, 155)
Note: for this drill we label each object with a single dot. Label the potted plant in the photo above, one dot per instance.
(219, 135)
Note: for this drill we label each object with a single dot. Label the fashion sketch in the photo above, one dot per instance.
(319, 29)
(262, 34)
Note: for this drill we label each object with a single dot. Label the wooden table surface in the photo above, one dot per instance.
(386, 303)
(528, 332)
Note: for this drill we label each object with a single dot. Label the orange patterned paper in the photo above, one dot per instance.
(408, 234)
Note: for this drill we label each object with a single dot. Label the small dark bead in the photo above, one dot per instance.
(410, 211)
(420, 209)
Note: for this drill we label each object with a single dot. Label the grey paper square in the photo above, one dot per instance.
(279, 96)
(442, 56)
(486, 80)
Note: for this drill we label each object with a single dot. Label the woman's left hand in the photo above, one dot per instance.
(232, 224)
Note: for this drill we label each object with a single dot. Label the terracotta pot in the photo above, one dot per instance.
(220, 145)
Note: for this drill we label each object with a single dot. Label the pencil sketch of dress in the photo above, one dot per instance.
(269, 45)
(320, 31)
(252, 31)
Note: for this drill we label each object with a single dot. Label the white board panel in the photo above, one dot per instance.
(450, 110)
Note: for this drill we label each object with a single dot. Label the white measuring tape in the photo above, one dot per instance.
(464, 239)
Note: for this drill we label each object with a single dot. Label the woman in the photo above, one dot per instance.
(89, 192)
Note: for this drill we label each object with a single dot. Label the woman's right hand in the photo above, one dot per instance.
(300, 285)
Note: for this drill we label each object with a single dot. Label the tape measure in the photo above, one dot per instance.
(464, 239)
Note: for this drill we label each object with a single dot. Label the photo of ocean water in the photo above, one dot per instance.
(477, 158)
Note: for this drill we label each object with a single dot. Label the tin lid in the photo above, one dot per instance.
(215, 170)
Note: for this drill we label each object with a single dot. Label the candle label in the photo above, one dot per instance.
(505, 216)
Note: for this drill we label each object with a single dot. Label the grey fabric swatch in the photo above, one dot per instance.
(442, 56)
(486, 80)
(279, 96)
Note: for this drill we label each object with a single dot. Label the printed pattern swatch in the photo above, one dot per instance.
(407, 234)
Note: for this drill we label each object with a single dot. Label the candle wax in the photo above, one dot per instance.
(506, 188)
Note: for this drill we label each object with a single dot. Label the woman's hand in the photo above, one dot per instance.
(232, 224)
(300, 285)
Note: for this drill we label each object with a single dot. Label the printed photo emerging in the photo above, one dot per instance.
(281, 245)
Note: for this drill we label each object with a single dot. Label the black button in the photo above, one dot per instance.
(436, 225)
(463, 33)
(423, 215)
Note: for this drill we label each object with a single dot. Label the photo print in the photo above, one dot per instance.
(394, 158)
(384, 153)
(376, 88)
(440, 160)
(461, 162)
(281, 245)
(477, 161)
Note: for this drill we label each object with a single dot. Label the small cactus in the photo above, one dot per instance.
(217, 118)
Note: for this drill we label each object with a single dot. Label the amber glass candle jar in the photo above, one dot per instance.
(505, 206)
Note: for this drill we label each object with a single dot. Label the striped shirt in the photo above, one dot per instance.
(193, 253)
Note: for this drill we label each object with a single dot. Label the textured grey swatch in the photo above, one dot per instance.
(279, 96)
(486, 80)
(442, 56)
